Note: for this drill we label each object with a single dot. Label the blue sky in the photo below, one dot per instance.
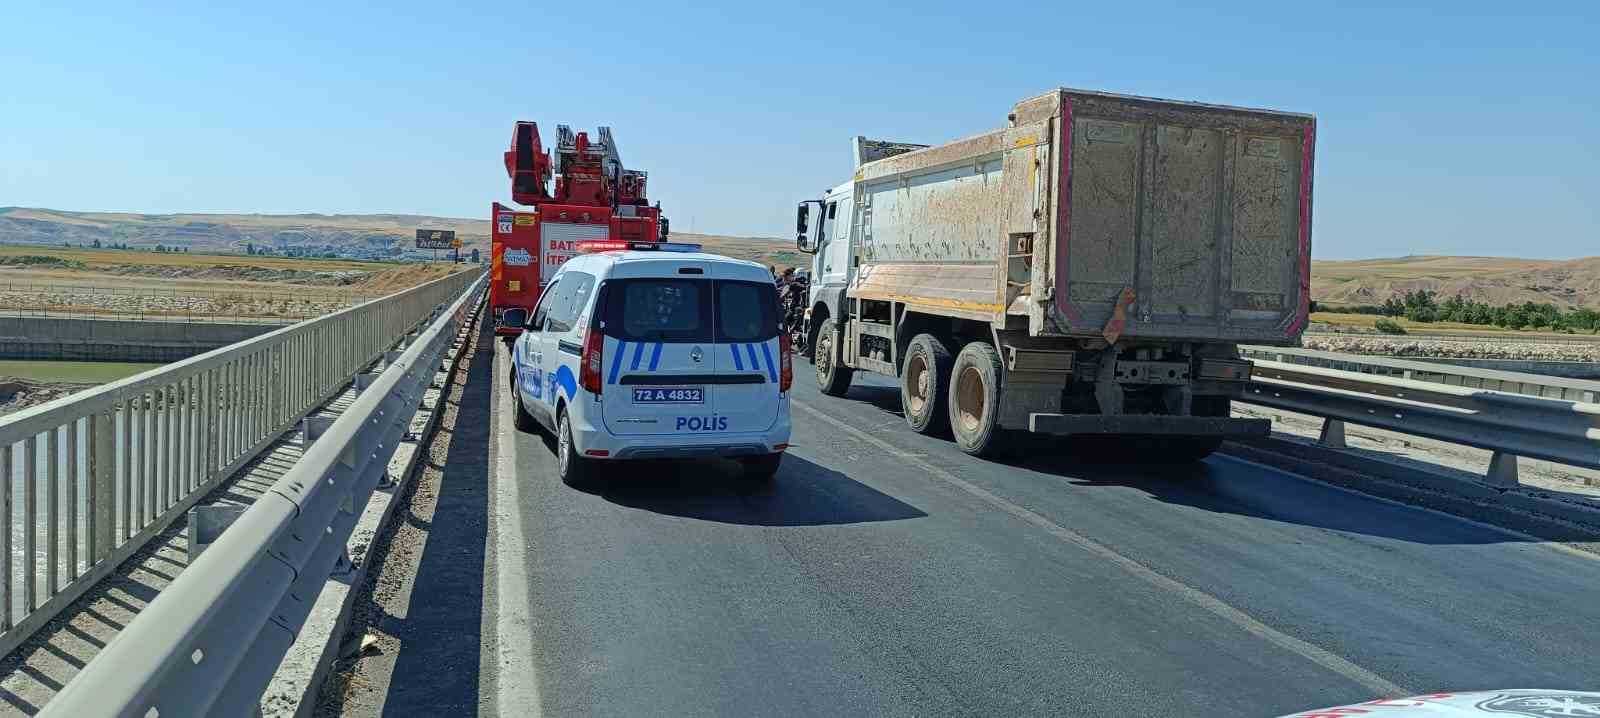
(1444, 128)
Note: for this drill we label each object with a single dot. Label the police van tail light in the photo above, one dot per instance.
(589, 363)
(785, 363)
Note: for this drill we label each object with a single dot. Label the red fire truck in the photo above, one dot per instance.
(594, 198)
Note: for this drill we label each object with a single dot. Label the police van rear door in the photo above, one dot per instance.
(658, 361)
(748, 363)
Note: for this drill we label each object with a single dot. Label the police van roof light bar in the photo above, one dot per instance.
(616, 245)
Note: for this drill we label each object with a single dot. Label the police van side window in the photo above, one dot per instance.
(545, 300)
(574, 296)
(746, 312)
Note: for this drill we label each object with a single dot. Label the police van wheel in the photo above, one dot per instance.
(574, 469)
(761, 468)
(922, 385)
(975, 400)
(833, 377)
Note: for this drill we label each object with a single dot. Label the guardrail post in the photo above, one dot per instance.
(313, 427)
(1332, 434)
(365, 379)
(102, 486)
(1502, 470)
(206, 524)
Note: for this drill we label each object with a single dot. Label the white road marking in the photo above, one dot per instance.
(1216, 606)
(516, 676)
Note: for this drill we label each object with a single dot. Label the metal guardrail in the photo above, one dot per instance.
(210, 643)
(1549, 387)
(1510, 414)
(102, 471)
(1488, 334)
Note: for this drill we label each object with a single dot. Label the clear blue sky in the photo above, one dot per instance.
(1446, 129)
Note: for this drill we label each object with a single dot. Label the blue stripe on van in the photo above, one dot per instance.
(655, 356)
(638, 353)
(772, 375)
(616, 362)
(737, 362)
(752, 349)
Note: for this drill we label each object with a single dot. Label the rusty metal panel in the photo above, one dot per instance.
(1184, 213)
(1037, 109)
(1021, 178)
(947, 214)
(1204, 210)
(922, 161)
(1265, 208)
(952, 289)
(1106, 162)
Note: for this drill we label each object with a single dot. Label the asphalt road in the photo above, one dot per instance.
(886, 573)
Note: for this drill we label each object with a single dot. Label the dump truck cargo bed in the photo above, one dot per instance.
(1201, 214)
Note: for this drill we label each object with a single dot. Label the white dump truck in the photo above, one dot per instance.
(1089, 269)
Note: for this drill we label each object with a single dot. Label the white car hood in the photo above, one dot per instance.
(1507, 704)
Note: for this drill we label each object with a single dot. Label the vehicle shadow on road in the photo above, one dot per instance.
(803, 494)
(1221, 485)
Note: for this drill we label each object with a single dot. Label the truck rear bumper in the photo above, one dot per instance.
(1148, 424)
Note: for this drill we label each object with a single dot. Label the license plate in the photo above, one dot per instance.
(669, 395)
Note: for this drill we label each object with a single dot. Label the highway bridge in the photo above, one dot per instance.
(407, 551)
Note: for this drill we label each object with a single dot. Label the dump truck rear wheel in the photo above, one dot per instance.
(924, 380)
(974, 404)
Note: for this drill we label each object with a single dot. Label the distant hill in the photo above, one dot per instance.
(229, 232)
(1493, 280)
(359, 234)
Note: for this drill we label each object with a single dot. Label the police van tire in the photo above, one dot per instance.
(923, 376)
(833, 377)
(575, 470)
(974, 407)
(761, 468)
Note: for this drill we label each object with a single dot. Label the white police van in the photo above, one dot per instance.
(655, 350)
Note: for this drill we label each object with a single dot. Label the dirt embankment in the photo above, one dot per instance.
(390, 278)
(18, 394)
(1391, 346)
(243, 273)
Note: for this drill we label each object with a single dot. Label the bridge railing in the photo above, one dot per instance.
(211, 642)
(87, 480)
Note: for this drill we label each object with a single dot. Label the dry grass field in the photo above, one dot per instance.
(1493, 280)
(102, 259)
(1338, 321)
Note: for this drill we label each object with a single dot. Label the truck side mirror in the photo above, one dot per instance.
(664, 228)
(803, 240)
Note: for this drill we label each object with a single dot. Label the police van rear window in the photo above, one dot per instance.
(746, 311)
(681, 310)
